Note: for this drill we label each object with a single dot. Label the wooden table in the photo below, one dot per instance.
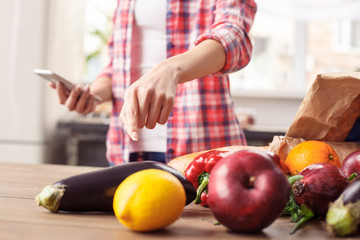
(20, 218)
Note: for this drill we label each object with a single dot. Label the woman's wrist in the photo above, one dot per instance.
(101, 87)
(171, 67)
(206, 58)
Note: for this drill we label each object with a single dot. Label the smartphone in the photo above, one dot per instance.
(54, 78)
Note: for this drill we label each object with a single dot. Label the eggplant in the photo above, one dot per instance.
(94, 191)
(343, 216)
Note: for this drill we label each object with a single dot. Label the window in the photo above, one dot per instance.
(97, 31)
(347, 37)
(273, 55)
(291, 47)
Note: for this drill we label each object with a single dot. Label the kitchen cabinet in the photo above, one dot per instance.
(81, 141)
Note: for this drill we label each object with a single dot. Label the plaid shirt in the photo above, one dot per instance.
(203, 116)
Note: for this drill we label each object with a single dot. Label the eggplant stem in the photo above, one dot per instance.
(201, 188)
(50, 197)
(342, 219)
(352, 176)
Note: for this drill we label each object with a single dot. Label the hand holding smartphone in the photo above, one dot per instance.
(54, 78)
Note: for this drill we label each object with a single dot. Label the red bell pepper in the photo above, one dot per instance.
(198, 172)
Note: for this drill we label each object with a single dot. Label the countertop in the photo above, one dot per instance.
(20, 218)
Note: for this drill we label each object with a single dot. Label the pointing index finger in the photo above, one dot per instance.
(132, 122)
(131, 117)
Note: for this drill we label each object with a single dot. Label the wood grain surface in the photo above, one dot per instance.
(20, 218)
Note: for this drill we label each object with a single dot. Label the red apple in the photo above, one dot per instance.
(351, 164)
(247, 191)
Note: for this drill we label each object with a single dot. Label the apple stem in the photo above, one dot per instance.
(252, 181)
(352, 176)
(202, 186)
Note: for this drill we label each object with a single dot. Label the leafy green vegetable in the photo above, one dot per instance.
(293, 209)
(299, 214)
(305, 215)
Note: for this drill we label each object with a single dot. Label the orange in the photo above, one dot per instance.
(149, 200)
(310, 152)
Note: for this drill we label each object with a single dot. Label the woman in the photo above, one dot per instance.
(167, 78)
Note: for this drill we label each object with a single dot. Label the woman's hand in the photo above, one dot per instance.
(79, 99)
(150, 99)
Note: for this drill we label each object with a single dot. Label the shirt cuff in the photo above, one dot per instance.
(237, 46)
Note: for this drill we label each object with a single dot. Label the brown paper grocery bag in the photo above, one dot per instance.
(329, 109)
(327, 113)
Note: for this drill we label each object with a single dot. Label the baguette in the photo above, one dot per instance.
(182, 162)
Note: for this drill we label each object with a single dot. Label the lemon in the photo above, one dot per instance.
(149, 200)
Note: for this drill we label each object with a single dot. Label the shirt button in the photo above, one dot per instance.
(169, 45)
(170, 151)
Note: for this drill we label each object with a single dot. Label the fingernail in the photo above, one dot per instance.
(86, 88)
(134, 136)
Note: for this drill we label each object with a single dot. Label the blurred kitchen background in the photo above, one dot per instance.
(294, 40)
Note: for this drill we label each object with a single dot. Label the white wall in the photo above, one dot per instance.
(64, 53)
(23, 30)
(35, 34)
(272, 110)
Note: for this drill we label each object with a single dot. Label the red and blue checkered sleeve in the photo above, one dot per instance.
(232, 22)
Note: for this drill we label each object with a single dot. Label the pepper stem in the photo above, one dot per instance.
(203, 182)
